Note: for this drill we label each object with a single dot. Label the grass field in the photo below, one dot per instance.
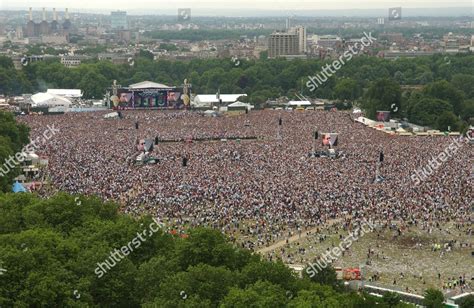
(410, 253)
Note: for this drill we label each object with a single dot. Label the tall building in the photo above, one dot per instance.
(119, 20)
(292, 42)
(302, 43)
(283, 43)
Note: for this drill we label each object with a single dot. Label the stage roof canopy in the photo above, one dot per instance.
(147, 85)
(66, 92)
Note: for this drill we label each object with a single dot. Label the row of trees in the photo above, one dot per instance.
(447, 98)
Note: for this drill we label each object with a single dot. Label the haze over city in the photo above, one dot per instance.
(258, 8)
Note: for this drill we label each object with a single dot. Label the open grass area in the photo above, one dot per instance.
(409, 253)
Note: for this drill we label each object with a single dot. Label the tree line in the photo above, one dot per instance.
(444, 98)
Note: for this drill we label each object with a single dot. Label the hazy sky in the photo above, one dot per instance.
(229, 4)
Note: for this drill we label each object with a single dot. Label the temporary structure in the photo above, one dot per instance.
(49, 100)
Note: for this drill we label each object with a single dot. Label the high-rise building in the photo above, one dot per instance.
(283, 43)
(292, 42)
(301, 33)
(119, 20)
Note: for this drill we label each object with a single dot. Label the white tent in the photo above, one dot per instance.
(209, 99)
(49, 100)
(299, 103)
(238, 104)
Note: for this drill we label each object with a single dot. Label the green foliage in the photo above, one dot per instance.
(445, 91)
(13, 137)
(467, 302)
(205, 34)
(384, 95)
(146, 54)
(347, 89)
(391, 299)
(6, 63)
(52, 251)
(326, 275)
(433, 298)
(373, 82)
(426, 110)
(259, 294)
(168, 47)
(447, 121)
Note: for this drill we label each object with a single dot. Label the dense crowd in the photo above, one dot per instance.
(258, 191)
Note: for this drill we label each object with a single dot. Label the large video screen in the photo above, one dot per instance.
(147, 98)
(330, 139)
(383, 116)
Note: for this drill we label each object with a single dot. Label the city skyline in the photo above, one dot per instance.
(232, 8)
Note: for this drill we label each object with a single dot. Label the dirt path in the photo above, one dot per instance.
(297, 237)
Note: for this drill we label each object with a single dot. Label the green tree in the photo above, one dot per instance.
(433, 298)
(260, 294)
(326, 275)
(447, 121)
(467, 302)
(445, 91)
(392, 299)
(383, 94)
(426, 110)
(347, 89)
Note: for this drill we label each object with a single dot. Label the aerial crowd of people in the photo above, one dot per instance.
(258, 191)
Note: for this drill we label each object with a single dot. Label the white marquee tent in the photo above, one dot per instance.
(49, 100)
(206, 100)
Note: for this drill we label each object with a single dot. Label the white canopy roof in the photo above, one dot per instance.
(50, 100)
(206, 99)
(299, 103)
(65, 92)
(240, 104)
(147, 84)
